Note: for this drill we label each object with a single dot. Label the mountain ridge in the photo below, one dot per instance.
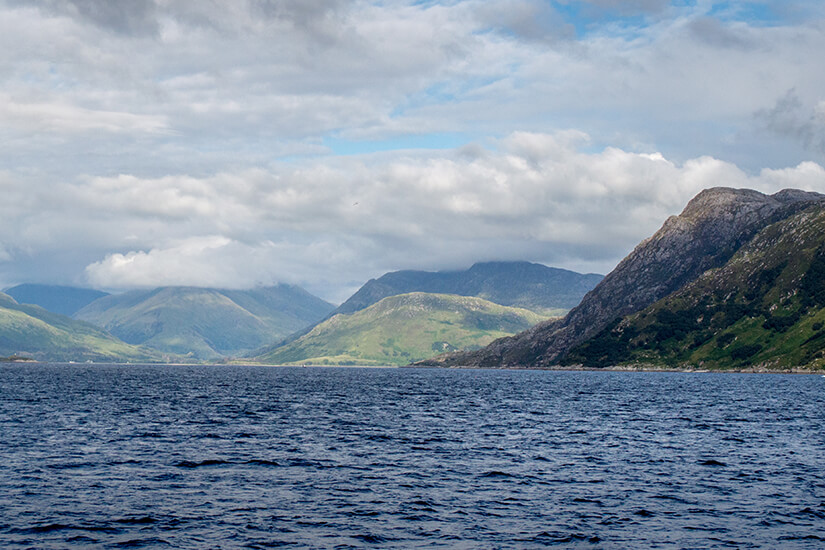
(766, 306)
(708, 232)
(206, 323)
(540, 286)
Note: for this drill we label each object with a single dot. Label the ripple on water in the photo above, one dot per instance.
(193, 457)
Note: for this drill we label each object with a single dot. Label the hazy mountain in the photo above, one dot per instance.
(404, 328)
(520, 284)
(766, 306)
(706, 235)
(65, 300)
(206, 323)
(31, 331)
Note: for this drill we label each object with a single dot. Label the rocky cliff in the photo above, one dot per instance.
(712, 227)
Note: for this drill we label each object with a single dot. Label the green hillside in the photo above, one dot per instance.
(765, 307)
(31, 331)
(404, 328)
(205, 323)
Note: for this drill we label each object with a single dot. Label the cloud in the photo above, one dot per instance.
(219, 262)
(791, 117)
(180, 81)
(325, 224)
(531, 20)
(628, 7)
(135, 133)
(330, 224)
(66, 118)
(197, 261)
(132, 17)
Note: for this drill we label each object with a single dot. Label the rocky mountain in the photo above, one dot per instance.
(705, 236)
(206, 323)
(526, 285)
(31, 331)
(404, 328)
(65, 300)
(766, 306)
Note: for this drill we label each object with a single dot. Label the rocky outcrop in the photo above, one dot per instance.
(712, 227)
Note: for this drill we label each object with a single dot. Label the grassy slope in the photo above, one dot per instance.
(765, 307)
(31, 331)
(205, 323)
(404, 328)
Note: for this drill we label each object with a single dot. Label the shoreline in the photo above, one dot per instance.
(574, 368)
(639, 368)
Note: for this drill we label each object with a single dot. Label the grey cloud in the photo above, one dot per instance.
(309, 14)
(264, 73)
(327, 222)
(711, 31)
(531, 20)
(626, 7)
(792, 118)
(122, 135)
(130, 17)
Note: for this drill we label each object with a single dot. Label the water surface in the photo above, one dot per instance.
(256, 457)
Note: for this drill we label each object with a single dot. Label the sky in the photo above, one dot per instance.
(325, 142)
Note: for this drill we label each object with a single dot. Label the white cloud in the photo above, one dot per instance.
(330, 224)
(61, 117)
(198, 261)
(327, 223)
(138, 134)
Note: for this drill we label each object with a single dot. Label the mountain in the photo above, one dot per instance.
(31, 331)
(205, 323)
(712, 228)
(404, 328)
(525, 285)
(766, 306)
(65, 300)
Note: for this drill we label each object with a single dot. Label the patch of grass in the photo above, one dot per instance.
(405, 328)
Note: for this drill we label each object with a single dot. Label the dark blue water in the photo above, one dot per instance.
(245, 457)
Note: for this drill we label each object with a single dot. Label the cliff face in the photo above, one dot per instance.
(712, 227)
(765, 307)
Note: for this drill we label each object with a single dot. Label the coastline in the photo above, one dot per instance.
(573, 368)
(640, 368)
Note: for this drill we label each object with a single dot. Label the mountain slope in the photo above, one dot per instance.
(65, 300)
(712, 227)
(520, 284)
(404, 328)
(31, 331)
(766, 306)
(205, 323)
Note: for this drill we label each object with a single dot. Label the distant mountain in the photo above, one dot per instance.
(404, 328)
(31, 331)
(520, 284)
(65, 300)
(705, 236)
(205, 323)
